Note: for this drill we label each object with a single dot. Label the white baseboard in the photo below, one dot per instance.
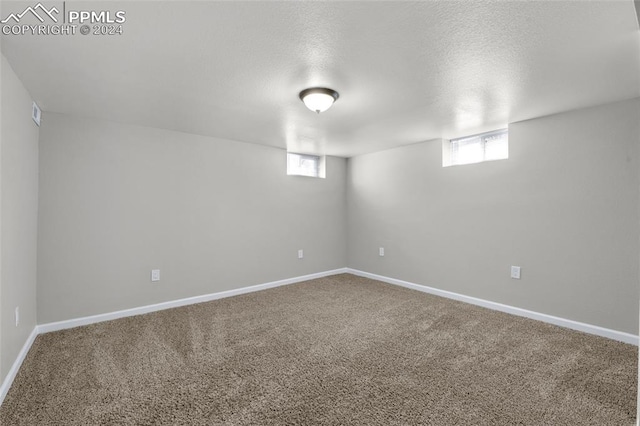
(61, 325)
(6, 384)
(562, 322)
(77, 322)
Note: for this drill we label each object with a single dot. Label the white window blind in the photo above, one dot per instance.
(303, 165)
(475, 149)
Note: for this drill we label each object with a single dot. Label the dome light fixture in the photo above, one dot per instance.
(318, 99)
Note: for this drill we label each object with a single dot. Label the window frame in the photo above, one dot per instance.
(449, 157)
(319, 169)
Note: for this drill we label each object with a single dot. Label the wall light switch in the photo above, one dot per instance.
(381, 251)
(300, 254)
(515, 272)
(155, 275)
(17, 315)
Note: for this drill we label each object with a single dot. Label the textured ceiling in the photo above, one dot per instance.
(406, 72)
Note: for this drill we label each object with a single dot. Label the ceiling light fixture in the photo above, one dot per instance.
(318, 99)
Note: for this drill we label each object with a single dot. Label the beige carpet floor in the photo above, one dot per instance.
(341, 350)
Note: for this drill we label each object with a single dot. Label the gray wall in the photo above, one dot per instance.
(117, 201)
(18, 217)
(564, 207)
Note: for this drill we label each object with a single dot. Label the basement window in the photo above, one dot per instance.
(305, 165)
(476, 149)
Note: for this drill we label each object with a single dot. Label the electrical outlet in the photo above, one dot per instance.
(300, 254)
(36, 114)
(17, 315)
(515, 272)
(155, 275)
(381, 251)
